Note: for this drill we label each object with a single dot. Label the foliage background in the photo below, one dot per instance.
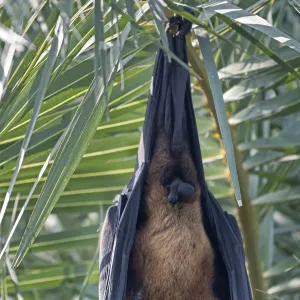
(63, 63)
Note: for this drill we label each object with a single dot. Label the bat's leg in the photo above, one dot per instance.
(179, 189)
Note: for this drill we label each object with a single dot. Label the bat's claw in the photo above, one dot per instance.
(179, 190)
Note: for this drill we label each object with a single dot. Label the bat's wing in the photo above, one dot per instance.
(169, 108)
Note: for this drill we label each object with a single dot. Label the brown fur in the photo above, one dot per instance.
(171, 258)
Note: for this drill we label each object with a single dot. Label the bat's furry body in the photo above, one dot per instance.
(171, 258)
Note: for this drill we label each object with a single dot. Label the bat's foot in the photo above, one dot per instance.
(179, 190)
(139, 296)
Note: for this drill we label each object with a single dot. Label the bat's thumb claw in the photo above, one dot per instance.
(179, 190)
(185, 190)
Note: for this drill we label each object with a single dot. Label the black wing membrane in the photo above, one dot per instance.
(170, 108)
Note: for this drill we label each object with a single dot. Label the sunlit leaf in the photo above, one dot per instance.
(239, 15)
(80, 131)
(279, 197)
(220, 109)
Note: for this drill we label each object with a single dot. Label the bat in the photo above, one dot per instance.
(167, 237)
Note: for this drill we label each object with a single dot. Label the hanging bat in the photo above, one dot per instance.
(167, 237)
